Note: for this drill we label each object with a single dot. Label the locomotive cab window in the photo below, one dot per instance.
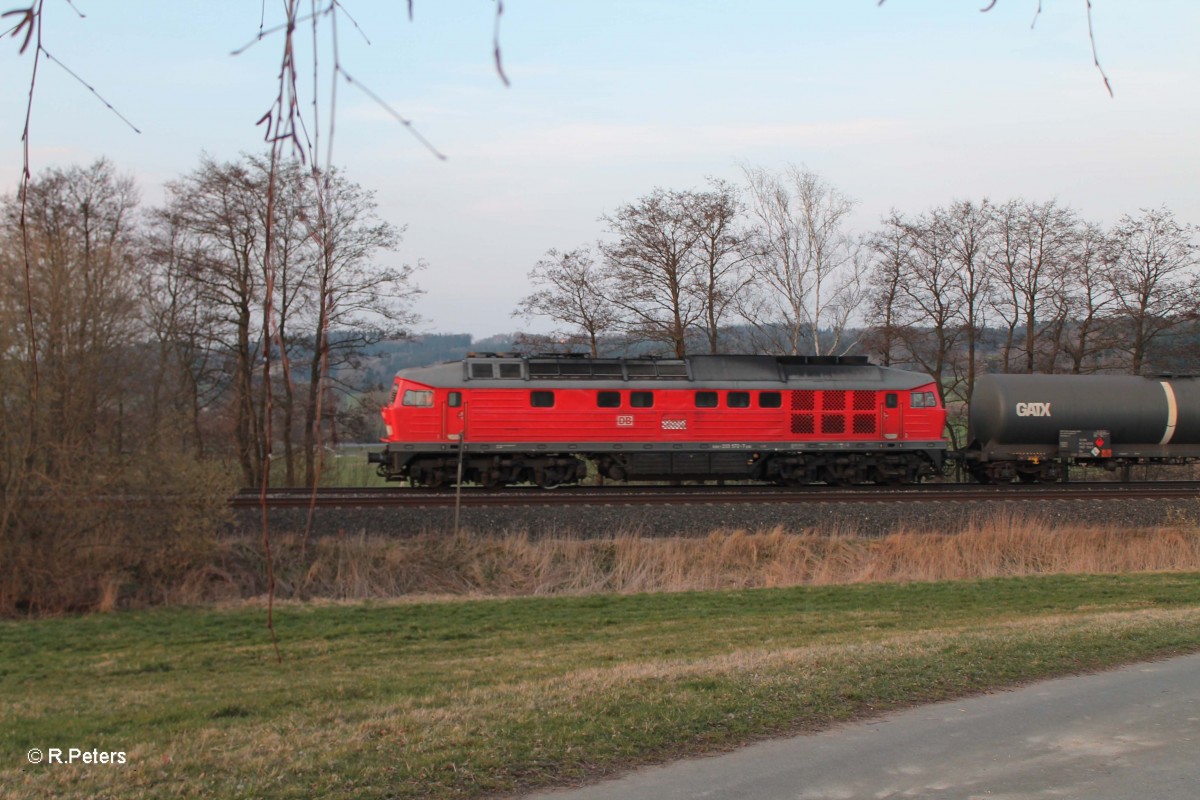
(418, 399)
(541, 399)
(454, 399)
(706, 399)
(891, 400)
(924, 400)
(770, 400)
(608, 400)
(738, 399)
(641, 399)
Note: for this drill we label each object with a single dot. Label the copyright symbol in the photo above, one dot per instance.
(34, 756)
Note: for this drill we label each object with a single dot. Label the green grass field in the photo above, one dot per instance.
(480, 698)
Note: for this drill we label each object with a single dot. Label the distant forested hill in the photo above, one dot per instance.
(382, 361)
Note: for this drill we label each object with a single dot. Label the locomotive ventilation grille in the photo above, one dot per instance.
(834, 413)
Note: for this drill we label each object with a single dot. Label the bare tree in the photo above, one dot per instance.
(926, 309)
(223, 207)
(652, 261)
(891, 249)
(723, 252)
(965, 234)
(357, 301)
(1089, 300)
(572, 291)
(1154, 279)
(181, 325)
(84, 433)
(1035, 244)
(810, 270)
(79, 226)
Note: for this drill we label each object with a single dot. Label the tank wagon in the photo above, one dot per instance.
(498, 419)
(1033, 427)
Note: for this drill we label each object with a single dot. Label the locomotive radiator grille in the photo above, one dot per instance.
(864, 423)
(802, 423)
(831, 423)
(834, 413)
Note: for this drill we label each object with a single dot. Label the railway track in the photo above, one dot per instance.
(700, 495)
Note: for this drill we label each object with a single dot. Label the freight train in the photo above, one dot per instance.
(501, 419)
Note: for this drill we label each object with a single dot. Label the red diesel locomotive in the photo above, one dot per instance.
(507, 419)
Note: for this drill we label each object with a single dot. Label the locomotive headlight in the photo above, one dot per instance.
(389, 429)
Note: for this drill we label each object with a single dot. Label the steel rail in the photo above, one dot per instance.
(363, 497)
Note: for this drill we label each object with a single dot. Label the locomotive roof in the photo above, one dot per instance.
(717, 371)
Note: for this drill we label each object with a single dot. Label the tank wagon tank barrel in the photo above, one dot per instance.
(1026, 426)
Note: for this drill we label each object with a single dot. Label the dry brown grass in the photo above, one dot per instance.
(480, 565)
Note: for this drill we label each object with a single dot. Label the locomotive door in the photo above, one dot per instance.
(891, 416)
(454, 417)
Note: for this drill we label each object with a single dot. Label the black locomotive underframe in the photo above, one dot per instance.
(791, 463)
(1045, 463)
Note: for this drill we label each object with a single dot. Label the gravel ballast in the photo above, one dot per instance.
(604, 519)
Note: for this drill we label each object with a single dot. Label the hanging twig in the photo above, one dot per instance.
(394, 114)
(90, 88)
(496, 42)
(1096, 58)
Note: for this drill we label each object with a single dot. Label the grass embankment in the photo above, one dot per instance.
(482, 697)
(366, 567)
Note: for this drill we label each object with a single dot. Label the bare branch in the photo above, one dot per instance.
(395, 115)
(90, 88)
(29, 20)
(496, 42)
(353, 21)
(1091, 35)
(1096, 58)
(284, 26)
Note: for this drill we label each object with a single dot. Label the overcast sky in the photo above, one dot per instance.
(908, 106)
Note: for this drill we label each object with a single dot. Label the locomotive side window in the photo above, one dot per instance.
(770, 400)
(738, 400)
(454, 399)
(706, 399)
(541, 399)
(924, 400)
(891, 400)
(420, 399)
(608, 400)
(641, 399)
